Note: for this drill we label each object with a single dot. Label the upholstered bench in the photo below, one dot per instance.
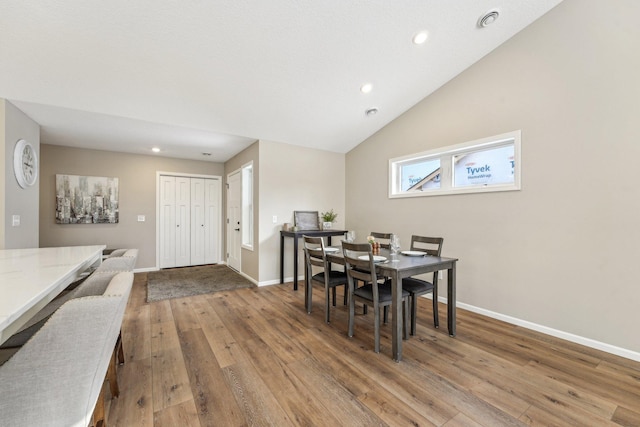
(57, 377)
(94, 284)
(125, 261)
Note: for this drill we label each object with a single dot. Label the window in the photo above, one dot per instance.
(489, 164)
(247, 205)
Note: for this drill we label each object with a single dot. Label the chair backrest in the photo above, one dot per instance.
(359, 265)
(431, 245)
(314, 253)
(385, 236)
(126, 262)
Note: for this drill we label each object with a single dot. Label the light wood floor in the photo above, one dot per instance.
(254, 357)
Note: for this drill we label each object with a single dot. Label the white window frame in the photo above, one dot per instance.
(446, 155)
(246, 180)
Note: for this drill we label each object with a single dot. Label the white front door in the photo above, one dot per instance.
(234, 215)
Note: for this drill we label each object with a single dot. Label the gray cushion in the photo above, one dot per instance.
(55, 379)
(416, 286)
(122, 263)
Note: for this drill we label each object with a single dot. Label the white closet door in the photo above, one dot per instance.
(183, 221)
(212, 200)
(198, 235)
(167, 221)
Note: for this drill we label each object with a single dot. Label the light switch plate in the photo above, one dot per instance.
(15, 221)
(141, 218)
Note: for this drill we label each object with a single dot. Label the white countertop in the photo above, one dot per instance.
(30, 278)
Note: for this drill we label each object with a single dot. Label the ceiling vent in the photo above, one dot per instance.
(488, 18)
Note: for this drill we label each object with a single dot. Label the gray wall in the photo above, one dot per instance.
(17, 200)
(286, 178)
(294, 178)
(562, 252)
(137, 188)
(249, 259)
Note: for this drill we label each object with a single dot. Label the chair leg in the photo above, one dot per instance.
(345, 295)
(334, 296)
(120, 349)
(376, 322)
(327, 302)
(112, 376)
(97, 418)
(405, 321)
(352, 313)
(436, 320)
(385, 314)
(414, 312)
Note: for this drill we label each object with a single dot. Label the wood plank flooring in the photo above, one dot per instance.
(254, 357)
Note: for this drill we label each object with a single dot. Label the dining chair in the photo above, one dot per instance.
(360, 265)
(417, 287)
(315, 255)
(385, 236)
(385, 245)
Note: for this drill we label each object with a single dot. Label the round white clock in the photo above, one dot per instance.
(25, 163)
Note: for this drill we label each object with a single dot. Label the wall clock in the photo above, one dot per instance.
(25, 163)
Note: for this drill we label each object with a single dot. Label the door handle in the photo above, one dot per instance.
(237, 229)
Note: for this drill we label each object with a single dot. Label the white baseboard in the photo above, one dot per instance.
(587, 342)
(249, 278)
(277, 281)
(145, 270)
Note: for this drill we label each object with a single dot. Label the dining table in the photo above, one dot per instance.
(397, 267)
(31, 278)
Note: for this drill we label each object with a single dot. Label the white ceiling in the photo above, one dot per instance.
(200, 76)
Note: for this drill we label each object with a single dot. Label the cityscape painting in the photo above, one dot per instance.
(86, 199)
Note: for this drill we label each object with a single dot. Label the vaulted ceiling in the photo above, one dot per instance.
(196, 76)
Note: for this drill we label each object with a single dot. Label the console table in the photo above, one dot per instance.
(296, 235)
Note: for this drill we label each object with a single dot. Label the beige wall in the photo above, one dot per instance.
(294, 178)
(137, 187)
(562, 252)
(17, 200)
(249, 259)
(3, 170)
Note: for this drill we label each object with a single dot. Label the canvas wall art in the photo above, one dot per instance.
(86, 199)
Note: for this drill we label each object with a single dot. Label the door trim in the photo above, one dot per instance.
(157, 207)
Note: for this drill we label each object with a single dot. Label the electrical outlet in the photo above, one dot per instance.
(15, 221)
(440, 275)
(275, 219)
(141, 218)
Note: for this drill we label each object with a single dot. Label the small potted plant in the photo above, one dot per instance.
(328, 218)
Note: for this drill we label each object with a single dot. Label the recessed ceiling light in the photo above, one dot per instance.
(155, 149)
(488, 18)
(420, 37)
(366, 88)
(371, 112)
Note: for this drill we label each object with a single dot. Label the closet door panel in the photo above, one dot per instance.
(183, 221)
(212, 220)
(167, 221)
(197, 221)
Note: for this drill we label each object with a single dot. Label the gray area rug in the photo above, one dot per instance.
(189, 281)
